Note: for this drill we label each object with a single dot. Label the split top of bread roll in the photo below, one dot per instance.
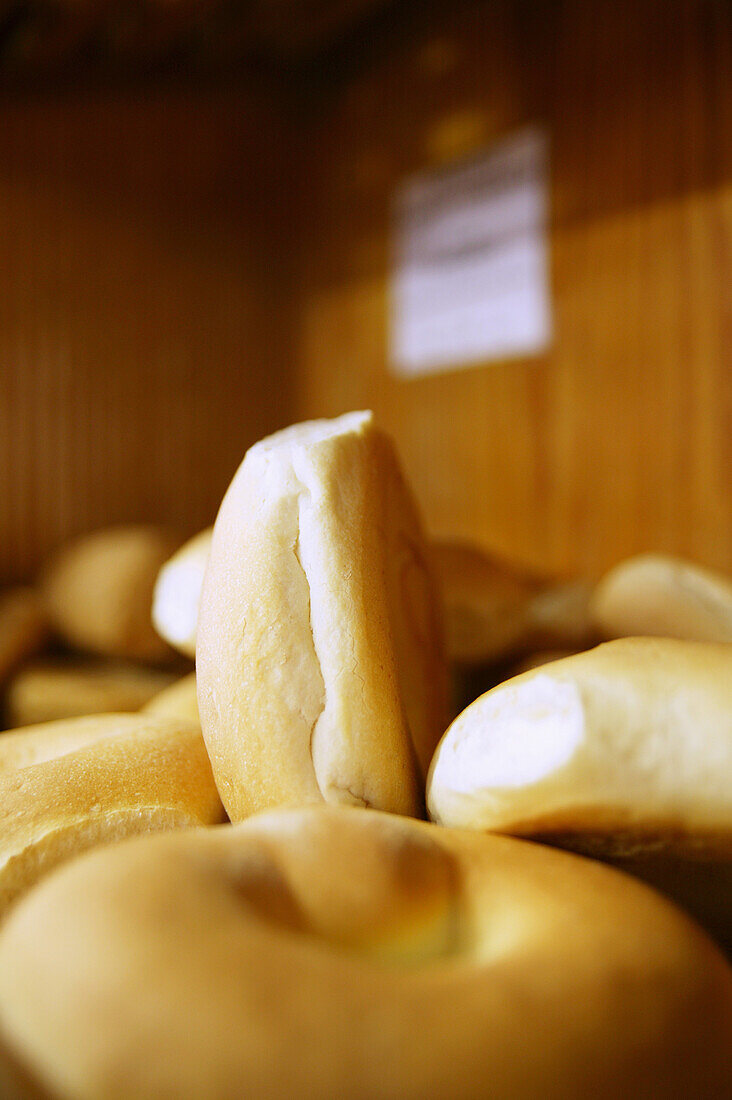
(654, 594)
(333, 952)
(178, 592)
(622, 748)
(70, 785)
(99, 590)
(319, 659)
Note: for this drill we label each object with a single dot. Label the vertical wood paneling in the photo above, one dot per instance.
(142, 312)
(619, 439)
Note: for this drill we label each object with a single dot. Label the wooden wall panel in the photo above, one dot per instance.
(142, 307)
(620, 438)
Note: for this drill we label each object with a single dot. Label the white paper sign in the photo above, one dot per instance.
(470, 272)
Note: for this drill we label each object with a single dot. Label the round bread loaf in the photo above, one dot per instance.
(329, 952)
(99, 590)
(319, 659)
(177, 701)
(622, 748)
(52, 689)
(178, 592)
(68, 786)
(24, 628)
(665, 597)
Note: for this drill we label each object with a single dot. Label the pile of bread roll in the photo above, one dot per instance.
(390, 910)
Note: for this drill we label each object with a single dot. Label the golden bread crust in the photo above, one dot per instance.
(663, 596)
(99, 591)
(49, 690)
(180, 700)
(632, 738)
(332, 952)
(70, 785)
(320, 667)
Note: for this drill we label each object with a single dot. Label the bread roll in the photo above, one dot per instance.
(177, 701)
(663, 596)
(319, 659)
(68, 786)
(178, 593)
(486, 602)
(51, 689)
(99, 590)
(560, 616)
(495, 611)
(332, 952)
(621, 749)
(24, 628)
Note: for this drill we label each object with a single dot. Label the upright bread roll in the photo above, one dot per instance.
(179, 700)
(178, 593)
(99, 590)
(47, 690)
(24, 628)
(71, 785)
(331, 952)
(320, 668)
(654, 594)
(625, 747)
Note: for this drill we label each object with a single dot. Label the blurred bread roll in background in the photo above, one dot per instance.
(654, 594)
(179, 700)
(321, 674)
(178, 592)
(24, 628)
(68, 786)
(49, 689)
(560, 616)
(495, 610)
(485, 601)
(330, 952)
(99, 591)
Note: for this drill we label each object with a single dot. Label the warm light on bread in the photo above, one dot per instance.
(99, 590)
(177, 701)
(319, 658)
(47, 690)
(654, 594)
(625, 747)
(178, 592)
(68, 786)
(333, 952)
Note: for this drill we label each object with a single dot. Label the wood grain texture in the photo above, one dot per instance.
(142, 312)
(620, 438)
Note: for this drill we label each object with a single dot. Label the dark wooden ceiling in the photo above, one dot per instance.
(47, 39)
